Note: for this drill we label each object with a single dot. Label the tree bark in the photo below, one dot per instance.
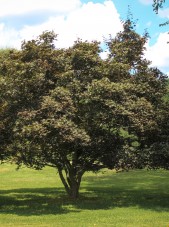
(71, 182)
(74, 191)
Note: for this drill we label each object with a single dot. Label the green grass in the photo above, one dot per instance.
(125, 199)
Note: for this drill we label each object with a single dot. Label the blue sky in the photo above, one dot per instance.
(86, 19)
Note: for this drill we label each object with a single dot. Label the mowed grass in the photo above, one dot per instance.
(127, 199)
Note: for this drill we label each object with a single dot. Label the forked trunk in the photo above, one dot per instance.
(71, 183)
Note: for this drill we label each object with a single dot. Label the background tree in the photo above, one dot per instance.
(160, 150)
(6, 111)
(146, 84)
(158, 4)
(75, 112)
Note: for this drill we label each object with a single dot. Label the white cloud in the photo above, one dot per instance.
(89, 21)
(159, 52)
(146, 2)
(93, 21)
(16, 7)
(164, 13)
(6, 35)
(148, 24)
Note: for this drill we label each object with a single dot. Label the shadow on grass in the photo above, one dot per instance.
(104, 192)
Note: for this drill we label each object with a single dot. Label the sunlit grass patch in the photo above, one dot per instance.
(37, 198)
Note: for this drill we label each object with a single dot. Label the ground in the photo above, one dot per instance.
(137, 198)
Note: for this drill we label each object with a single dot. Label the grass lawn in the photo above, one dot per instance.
(125, 199)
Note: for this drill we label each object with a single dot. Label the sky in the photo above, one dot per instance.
(86, 19)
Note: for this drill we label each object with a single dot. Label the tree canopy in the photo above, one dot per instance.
(72, 110)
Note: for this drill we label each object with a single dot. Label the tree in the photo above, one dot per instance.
(148, 85)
(159, 150)
(75, 112)
(6, 111)
(158, 4)
(161, 158)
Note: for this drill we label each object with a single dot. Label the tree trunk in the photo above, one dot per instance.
(71, 183)
(74, 191)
